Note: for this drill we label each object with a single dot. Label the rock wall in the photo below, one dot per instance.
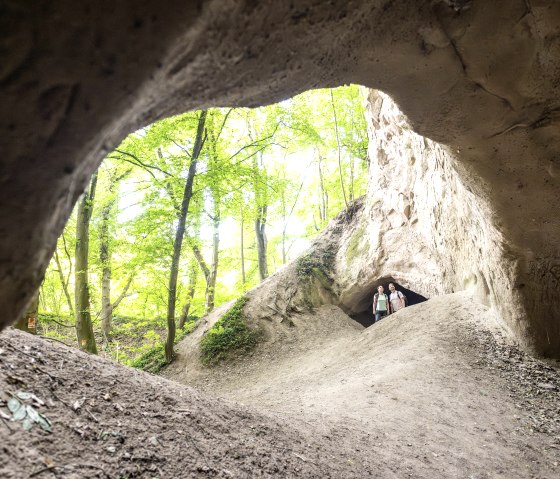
(480, 77)
(422, 225)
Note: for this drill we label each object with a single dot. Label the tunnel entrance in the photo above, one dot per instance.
(366, 317)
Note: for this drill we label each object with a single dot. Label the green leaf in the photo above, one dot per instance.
(14, 404)
(27, 424)
(32, 413)
(20, 413)
(44, 423)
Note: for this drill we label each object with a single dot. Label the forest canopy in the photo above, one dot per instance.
(246, 189)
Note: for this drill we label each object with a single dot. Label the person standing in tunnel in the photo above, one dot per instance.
(380, 304)
(396, 299)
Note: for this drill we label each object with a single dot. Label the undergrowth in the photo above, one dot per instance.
(229, 336)
(153, 360)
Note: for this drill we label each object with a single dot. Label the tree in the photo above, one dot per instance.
(177, 244)
(84, 327)
(265, 182)
(193, 276)
(108, 307)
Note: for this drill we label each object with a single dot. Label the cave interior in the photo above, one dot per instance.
(366, 317)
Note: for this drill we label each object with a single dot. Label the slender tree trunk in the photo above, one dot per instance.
(64, 283)
(286, 219)
(261, 200)
(324, 205)
(284, 246)
(339, 152)
(28, 321)
(178, 243)
(351, 192)
(284, 225)
(260, 225)
(106, 306)
(84, 328)
(213, 276)
(193, 277)
(243, 276)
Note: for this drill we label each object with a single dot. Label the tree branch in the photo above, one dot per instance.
(123, 292)
(139, 162)
(201, 261)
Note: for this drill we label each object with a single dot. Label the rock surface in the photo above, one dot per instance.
(480, 77)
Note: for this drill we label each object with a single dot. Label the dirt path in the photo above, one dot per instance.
(427, 393)
(437, 394)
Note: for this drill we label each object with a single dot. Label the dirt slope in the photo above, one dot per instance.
(439, 396)
(110, 421)
(426, 393)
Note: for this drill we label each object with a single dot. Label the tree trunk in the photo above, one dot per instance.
(242, 247)
(284, 225)
(106, 306)
(213, 275)
(84, 328)
(324, 204)
(28, 321)
(64, 282)
(193, 277)
(260, 225)
(339, 152)
(177, 245)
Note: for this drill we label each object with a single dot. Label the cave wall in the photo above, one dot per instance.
(480, 77)
(422, 225)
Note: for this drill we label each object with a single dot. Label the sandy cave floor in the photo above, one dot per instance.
(426, 393)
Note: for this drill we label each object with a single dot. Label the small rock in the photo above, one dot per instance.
(111, 449)
(153, 440)
(548, 386)
(78, 403)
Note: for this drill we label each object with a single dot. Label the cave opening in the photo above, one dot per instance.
(366, 317)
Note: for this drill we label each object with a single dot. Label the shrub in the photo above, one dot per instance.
(229, 336)
(153, 361)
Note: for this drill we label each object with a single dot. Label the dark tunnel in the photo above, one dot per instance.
(366, 317)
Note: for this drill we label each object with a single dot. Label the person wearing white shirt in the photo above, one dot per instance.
(396, 299)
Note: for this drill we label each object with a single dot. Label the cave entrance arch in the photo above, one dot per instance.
(365, 314)
(73, 86)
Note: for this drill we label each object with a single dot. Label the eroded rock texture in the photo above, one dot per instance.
(422, 225)
(480, 77)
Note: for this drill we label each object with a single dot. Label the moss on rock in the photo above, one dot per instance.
(354, 246)
(230, 336)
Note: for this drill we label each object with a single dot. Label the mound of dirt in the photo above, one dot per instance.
(435, 385)
(110, 421)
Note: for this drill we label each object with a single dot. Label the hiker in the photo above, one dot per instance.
(396, 299)
(380, 304)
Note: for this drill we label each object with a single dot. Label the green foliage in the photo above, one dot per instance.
(320, 260)
(281, 163)
(153, 360)
(230, 336)
(354, 245)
